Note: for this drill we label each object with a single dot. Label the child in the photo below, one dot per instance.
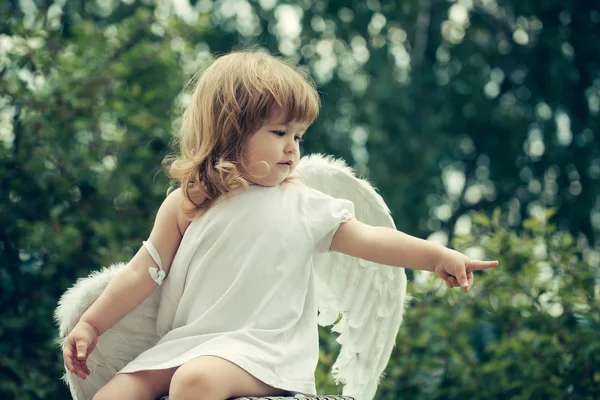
(237, 315)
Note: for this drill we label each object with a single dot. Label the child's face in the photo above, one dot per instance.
(273, 152)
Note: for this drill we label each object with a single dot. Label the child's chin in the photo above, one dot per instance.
(272, 183)
(267, 182)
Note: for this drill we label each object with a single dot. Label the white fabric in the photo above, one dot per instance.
(241, 286)
(158, 274)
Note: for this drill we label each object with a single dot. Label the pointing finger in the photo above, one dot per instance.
(477, 265)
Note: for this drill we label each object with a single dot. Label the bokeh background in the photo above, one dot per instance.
(478, 121)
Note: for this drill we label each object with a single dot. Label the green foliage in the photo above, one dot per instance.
(528, 329)
(79, 181)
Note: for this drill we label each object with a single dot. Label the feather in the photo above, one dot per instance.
(370, 297)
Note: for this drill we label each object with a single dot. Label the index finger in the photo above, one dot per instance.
(478, 265)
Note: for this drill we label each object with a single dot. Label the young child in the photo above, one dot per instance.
(239, 300)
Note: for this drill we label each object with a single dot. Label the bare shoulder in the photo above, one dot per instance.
(177, 203)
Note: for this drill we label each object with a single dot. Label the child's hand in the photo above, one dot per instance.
(78, 345)
(457, 269)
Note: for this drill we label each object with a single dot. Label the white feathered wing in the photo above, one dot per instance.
(369, 297)
(128, 338)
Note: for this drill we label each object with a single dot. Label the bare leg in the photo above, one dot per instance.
(142, 385)
(213, 378)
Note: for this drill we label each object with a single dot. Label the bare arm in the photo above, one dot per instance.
(129, 287)
(386, 246)
(133, 284)
(391, 247)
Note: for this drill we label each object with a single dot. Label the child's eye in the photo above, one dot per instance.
(297, 138)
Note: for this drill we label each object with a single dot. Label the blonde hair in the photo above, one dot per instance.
(232, 99)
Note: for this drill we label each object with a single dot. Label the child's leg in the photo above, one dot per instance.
(213, 378)
(142, 385)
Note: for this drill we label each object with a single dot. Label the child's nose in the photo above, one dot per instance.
(290, 147)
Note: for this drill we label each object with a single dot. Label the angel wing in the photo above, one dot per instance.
(369, 297)
(128, 338)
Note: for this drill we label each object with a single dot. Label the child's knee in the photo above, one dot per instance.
(195, 383)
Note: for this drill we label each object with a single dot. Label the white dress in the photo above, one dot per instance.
(241, 286)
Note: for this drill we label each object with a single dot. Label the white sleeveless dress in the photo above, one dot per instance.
(241, 286)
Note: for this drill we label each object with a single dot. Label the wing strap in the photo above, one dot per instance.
(158, 274)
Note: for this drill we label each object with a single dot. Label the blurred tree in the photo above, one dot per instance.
(465, 104)
(448, 107)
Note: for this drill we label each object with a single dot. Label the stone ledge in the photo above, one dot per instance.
(296, 397)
